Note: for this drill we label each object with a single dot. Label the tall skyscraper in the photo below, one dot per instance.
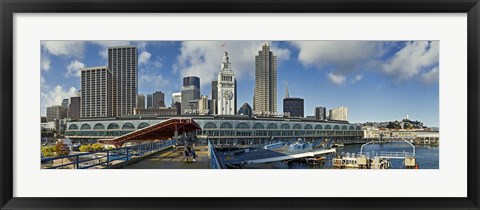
(56, 112)
(96, 99)
(339, 113)
(74, 108)
(65, 103)
(158, 99)
(265, 93)
(214, 96)
(321, 113)
(149, 101)
(293, 106)
(190, 93)
(176, 97)
(245, 109)
(203, 107)
(226, 88)
(140, 101)
(123, 63)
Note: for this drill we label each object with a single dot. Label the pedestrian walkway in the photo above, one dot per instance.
(174, 159)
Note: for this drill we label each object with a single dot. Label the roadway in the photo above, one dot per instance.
(174, 159)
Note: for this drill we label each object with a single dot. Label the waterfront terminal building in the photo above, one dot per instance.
(233, 130)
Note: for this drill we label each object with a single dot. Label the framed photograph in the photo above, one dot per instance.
(239, 105)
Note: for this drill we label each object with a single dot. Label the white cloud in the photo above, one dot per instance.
(73, 69)
(431, 77)
(357, 78)
(64, 48)
(50, 97)
(203, 58)
(336, 79)
(155, 81)
(412, 59)
(347, 58)
(103, 53)
(341, 56)
(45, 63)
(144, 57)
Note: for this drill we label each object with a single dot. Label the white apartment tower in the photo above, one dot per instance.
(95, 96)
(339, 113)
(122, 62)
(226, 88)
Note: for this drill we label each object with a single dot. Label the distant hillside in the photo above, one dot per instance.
(403, 124)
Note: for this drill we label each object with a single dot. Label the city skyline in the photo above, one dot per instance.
(362, 75)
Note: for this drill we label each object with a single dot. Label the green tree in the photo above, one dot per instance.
(97, 147)
(61, 149)
(86, 148)
(47, 151)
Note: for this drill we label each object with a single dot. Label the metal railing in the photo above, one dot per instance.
(214, 164)
(104, 158)
(396, 154)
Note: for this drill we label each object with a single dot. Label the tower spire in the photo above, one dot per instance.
(286, 91)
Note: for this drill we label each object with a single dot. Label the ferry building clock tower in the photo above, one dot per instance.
(226, 88)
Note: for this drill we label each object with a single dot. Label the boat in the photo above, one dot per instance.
(338, 145)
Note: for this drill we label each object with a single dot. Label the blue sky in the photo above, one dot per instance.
(377, 81)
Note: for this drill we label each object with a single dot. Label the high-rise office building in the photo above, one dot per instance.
(123, 64)
(158, 99)
(176, 97)
(321, 113)
(190, 94)
(178, 107)
(96, 97)
(65, 103)
(214, 96)
(339, 113)
(265, 93)
(226, 88)
(203, 107)
(149, 101)
(140, 101)
(56, 112)
(293, 106)
(245, 109)
(74, 108)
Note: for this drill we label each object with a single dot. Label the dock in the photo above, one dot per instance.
(261, 155)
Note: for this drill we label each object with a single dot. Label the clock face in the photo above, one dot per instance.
(228, 94)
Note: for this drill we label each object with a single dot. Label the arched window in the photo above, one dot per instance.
(344, 127)
(113, 126)
(85, 127)
(336, 127)
(359, 128)
(98, 126)
(73, 127)
(243, 125)
(328, 127)
(128, 126)
(143, 125)
(272, 126)
(318, 127)
(209, 125)
(285, 126)
(308, 126)
(297, 127)
(351, 128)
(258, 126)
(226, 125)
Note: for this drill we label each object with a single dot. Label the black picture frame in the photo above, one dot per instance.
(10, 7)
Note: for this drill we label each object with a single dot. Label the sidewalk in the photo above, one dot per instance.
(174, 159)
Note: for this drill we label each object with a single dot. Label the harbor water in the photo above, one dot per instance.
(427, 157)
